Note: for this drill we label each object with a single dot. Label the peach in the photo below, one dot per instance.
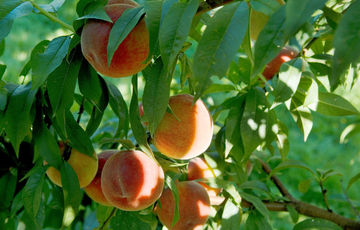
(131, 181)
(187, 132)
(199, 169)
(129, 58)
(258, 21)
(286, 54)
(94, 190)
(194, 207)
(84, 166)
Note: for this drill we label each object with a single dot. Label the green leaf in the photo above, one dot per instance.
(353, 180)
(17, 117)
(303, 119)
(72, 193)
(93, 87)
(306, 94)
(94, 122)
(288, 81)
(268, 7)
(156, 93)
(349, 131)
(270, 41)
(38, 49)
(95, 10)
(172, 186)
(45, 63)
(135, 121)
(128, 220)
(334, 105)
(121, 28)
(2, 50)
(346, 43)
(153, 15)
(46, 145)
(291, 164)
(186, 69)
(258, 204)
(319, 224)
(53, 6)
(77, 136)
(7, 189)
(61, 85)
(293, 213)
(174, 30)
(9, 12)
(32, 192)
(257, 121)
(256, 221)
(216, 88)
(118, 105)
(256, 185)
(224, 34)
(231, 216)
(3, 98)
(299, 12)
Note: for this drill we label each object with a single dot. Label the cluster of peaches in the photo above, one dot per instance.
(129, 179)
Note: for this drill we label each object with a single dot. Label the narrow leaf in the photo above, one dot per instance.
(224, 34)
(95, 10)
(291, 164)
(334, 105)
(43, 64)
(258, 204)
(346, 43)
(121, 28)
(320, 224)
(231, 216)
(353, 180)
(153, 10)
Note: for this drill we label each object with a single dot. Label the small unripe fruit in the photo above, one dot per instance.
(129, 58)
(84, 166)
(187, 131)
(94, 190)
(131, 181)
(194, 207)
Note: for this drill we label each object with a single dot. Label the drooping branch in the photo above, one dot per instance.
(302, 207)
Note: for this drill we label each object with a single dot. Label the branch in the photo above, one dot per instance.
(302, 207)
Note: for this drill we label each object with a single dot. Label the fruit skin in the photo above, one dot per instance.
(84, 166)
(194, 207)
(286, 54)
(131, 181)
(258, 21)
(129, 57)
(199, 169)
(94, 190)
(186, 134)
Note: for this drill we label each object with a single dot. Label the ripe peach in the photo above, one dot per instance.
(94, 190)
(286, 54)
(129, 57)
(187, 132)
(131, 181)
(84, 166)
(194, 207)
(258, 21)
(199, 169)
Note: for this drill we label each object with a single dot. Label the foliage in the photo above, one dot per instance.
(293, 122)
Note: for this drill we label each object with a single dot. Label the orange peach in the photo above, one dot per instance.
(286, 54)
(131, 181)
(199, 169)
(129, 58)
(187, 131)
(194, 207)
(84, 166)
(94, 190)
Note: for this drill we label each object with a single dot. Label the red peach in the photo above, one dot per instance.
(286, 54)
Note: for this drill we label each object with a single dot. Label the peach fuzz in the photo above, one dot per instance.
(194, 207)
(129, 58)
(131, 181)
(286, 54)
(199, 169)
(187, 132)
(93, 190)
(84, 166)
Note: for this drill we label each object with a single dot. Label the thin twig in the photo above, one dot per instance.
(323, 192)
(104, 224)
(51, 17)
(81, 110)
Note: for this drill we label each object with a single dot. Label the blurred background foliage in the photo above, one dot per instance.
(322, 150)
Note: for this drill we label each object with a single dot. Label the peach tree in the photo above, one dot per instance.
(187, 98)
